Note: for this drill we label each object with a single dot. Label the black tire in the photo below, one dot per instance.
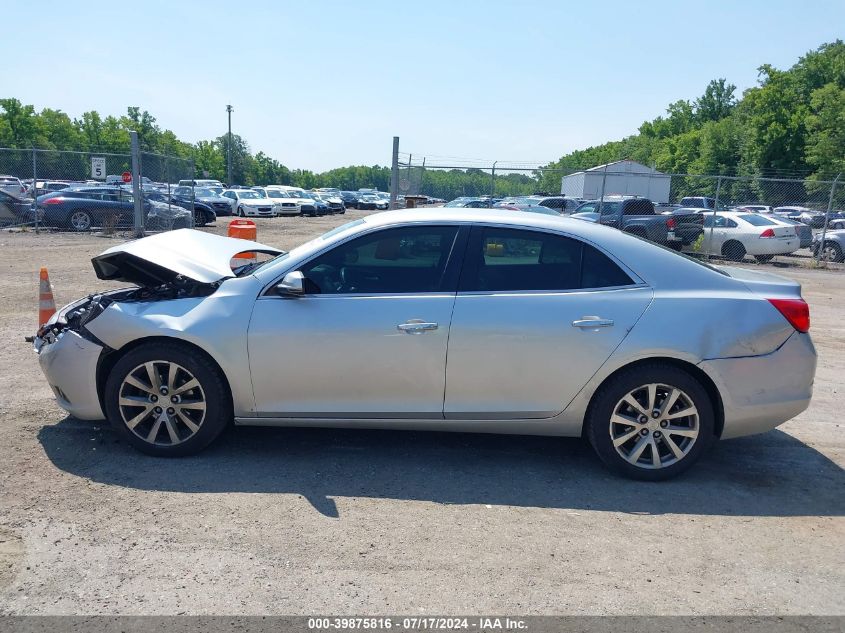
(763, 259)
(733, 251)
(676, 246)
(241, 212)
(638, 232)
(213, 390)
(608, 397)
(80, 220)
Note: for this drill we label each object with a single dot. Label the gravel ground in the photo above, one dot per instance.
(290, 521)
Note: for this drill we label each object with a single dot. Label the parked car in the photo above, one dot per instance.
(561, 203)
(83, 208)
(468, 203)
(671, 353)
(702, 202)
(350, 199)
(834, 245)
(201, 183)
(836, 224)
(249, 203)
(47, 186)
(676, 228)
(804, 232)
(205, 203)
(335, 203)
(285, 205)
(810, 217)
(753, 208)
(372, 201)
(13, 185)
(15, 209)
(532, 208)
(735, 235)
(307, 205)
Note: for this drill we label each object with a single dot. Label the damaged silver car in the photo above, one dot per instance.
(461, 320)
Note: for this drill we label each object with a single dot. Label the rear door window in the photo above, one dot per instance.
(504, 259)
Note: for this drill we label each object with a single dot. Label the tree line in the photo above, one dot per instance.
(792, 123)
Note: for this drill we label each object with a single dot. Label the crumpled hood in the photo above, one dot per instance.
(159, 259)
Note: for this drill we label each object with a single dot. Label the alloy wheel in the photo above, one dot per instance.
(162, 403)
(830, 253)
(80, 221)
(654, 426)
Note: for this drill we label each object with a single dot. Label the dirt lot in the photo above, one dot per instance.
(320, 521)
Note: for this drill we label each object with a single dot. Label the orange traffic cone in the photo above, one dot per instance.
(46, 303)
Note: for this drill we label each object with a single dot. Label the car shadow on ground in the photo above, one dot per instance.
(766, 475)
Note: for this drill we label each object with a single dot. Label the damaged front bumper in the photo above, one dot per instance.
(69, 361)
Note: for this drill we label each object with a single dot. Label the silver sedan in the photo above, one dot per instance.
(459, 319)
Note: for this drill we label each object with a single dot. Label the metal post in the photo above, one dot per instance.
(394, 173)
(713, 221)
(136, 184)
(603, 181)
(229, 109)
(827, 217)
(193, 197)
(493, 182)
(35, 188)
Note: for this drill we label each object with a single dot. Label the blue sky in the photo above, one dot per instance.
(321, 84)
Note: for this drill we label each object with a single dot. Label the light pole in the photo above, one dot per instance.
(229, 109)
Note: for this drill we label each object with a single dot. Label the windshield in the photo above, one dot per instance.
(275, 193)
(249, 195)
(204, 193)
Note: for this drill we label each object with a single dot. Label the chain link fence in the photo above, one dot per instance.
(93, 191)
(737, 217)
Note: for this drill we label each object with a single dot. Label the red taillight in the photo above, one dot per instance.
(671, 224)
(768, 233)
(52, 201)
(796, 311)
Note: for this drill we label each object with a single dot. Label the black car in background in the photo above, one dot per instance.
(350, 199)
(207, 205)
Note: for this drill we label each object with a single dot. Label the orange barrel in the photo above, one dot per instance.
(244, 230)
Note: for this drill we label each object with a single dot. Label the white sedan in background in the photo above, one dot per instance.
(734, 235)
(250, 203)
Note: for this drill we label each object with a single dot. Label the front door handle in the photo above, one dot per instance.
(591, 322)
(415, 326)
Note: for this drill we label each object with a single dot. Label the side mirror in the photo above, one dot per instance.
(292, 285)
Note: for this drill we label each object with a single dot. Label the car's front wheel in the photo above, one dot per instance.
(651, 422)
(167, 400)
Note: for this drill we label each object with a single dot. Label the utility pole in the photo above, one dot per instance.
(229, 109)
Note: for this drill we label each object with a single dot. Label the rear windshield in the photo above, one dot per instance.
(756, 220)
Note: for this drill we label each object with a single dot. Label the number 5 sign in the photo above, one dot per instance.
(98, 167)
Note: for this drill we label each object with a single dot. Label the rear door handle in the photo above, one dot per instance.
(416, 327)
(591, 322)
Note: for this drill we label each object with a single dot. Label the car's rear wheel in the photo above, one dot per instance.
(676, 246)
(80, 221)
(651, 422)
(733, 250)
(167, 400)
(763, 258)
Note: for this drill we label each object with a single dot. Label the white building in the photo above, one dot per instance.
(623, 177)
